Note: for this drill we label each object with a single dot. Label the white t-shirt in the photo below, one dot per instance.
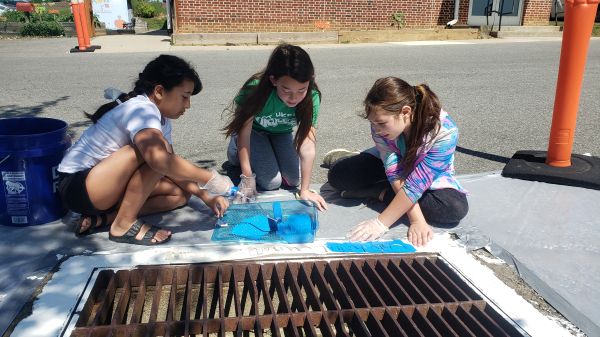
(114, 130)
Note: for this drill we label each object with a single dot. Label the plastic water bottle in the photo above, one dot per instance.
(232, 192)
(236, 196)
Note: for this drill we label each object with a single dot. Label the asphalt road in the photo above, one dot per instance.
(501, 94)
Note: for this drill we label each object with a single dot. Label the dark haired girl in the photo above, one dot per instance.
(415, 140)
(123, 166)
(266, 110)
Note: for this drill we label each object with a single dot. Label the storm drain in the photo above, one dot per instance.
(384, 295)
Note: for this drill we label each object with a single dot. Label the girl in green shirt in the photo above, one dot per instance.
(267, 108)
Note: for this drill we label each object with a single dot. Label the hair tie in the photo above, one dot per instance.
(417, 91)
(112, 93)
(418, 97)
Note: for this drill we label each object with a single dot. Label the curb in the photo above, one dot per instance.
(262, 38)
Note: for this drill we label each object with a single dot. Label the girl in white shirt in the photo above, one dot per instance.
(123, 166)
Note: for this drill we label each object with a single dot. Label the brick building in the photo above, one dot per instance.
(216, 16)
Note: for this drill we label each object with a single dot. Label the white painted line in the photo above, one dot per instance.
(430, 43)
(52, 310)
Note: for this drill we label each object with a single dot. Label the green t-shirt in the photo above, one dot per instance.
(275, 116)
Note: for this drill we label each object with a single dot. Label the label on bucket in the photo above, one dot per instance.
(15, 190)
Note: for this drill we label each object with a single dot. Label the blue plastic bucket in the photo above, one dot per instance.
(30, 150)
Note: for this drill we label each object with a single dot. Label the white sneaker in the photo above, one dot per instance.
(334, 155)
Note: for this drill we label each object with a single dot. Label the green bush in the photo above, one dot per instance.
(596, 30)
(65, 15)
(51, 28)
(44, 16)
(144, 10)
(14, 16)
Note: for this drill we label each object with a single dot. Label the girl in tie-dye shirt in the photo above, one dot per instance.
(415, 140)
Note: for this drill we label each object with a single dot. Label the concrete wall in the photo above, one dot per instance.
(215, 16)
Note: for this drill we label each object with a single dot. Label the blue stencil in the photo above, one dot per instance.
(252, 228)
(395, 246)
(280, 221)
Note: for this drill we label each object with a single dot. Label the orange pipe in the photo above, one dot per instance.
(84, 24)
(578, 24)
(76, 17)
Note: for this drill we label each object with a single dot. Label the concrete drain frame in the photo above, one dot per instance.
(351, 295)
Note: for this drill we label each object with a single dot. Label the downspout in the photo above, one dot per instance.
(450, 24)
(169, 18)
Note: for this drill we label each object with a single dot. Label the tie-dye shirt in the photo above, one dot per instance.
(435, 160)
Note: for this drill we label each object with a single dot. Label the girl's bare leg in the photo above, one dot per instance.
(166, 196)
(138, 190)
(107, 181)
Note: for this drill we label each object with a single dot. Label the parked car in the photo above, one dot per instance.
(4, 8)
(558, 11)
(12, 3)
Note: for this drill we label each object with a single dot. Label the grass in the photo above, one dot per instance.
(156, 23)
(595, 30)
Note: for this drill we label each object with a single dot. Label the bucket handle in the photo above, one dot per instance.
(2, 161)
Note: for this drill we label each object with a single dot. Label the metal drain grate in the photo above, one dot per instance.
(384, 295)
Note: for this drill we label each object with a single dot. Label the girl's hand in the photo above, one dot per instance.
(218, 204)
(247, 189)
(419, 233)
(314, 197)
(367, 230)
(218, 184)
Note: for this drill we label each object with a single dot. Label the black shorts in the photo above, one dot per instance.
(74, 194)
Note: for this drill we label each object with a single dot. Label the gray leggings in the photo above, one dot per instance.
(273, 158)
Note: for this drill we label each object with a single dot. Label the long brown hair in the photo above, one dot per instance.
(285, 60)
(391, 94)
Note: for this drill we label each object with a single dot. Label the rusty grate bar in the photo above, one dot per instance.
(372, 295)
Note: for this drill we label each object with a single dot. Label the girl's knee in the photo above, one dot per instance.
(290, 181)
(269, 184)
(461, 208)
(454, 211)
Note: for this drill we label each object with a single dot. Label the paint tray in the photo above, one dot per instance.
(293, 221)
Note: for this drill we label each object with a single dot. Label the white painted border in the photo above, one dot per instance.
(52, 310)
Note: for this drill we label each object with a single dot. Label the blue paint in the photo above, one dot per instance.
(395, 246)
(296, 229)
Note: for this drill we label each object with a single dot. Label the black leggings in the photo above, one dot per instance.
(443, 206)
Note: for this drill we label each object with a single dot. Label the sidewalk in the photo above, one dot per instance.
(548, 232)
(152, 43)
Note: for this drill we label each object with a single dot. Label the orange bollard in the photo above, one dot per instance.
(84, 24)
(578, 24)
(78, 29)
